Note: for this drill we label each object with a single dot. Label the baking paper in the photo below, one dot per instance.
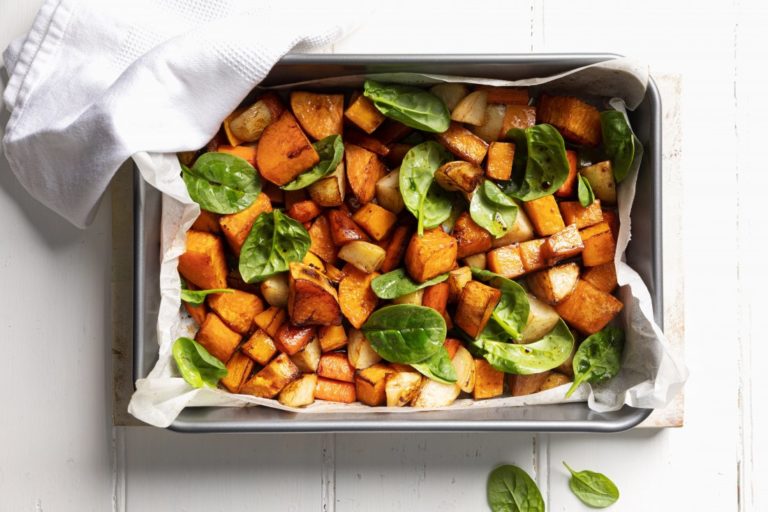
(651, 373)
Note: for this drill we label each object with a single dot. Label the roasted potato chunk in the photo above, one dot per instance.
(284, 151)
(249, 123)
(562, 245)
(203, 264)
(542, 318)
(435, 394)
(271, 379)
(588, 309)
(364, 169)
(599, 245)
(600, 177)
(217, 338)
(363, 255)
(545, 215)
(475, 307)
(489, 382)
(470, 238)
(331, 190)
(239, 368)
(602, 277)
(554, 284)
(465, 369)
(430, 255)
(471, 108)
(574, 213)
(320, 115)
(506, 261)
(388, 192)
(490, 130)
(275, 290)
(237, 309)
(457, 280)
(459, 176)
(370, 384)
(312, 299)
(463, 143)
(579, 122)
(401, 387)
(522, 231)
(308, 358)
(363, 114)
(375, 220)
(501, 156)
(356, 297)
(359, 351)
(299, 393)
(260, 347)
(237, 225)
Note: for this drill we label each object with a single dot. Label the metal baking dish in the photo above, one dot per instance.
(644, 254)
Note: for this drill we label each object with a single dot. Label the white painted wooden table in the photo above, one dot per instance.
(59, 452)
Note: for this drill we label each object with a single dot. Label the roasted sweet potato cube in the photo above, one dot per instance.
(312, 299)
(335, 391)
(588, 309)
(304, 211)
(463, 143)
(501, 155)
(554, 284)
(436, 297)
(457, 280)
(602, 277)
(599, 245)
(332, 337)
(612, 218)
(568, 188)
(271, 379)
(321, 239)
(260, 347)
(270, 320)
(517, 116)
(531, 254)
(336, 366)
(545, 215)
(247, 153)
(459, 176)
(562, 245)
(395, 248)
(249, 123)
(370, 384)
(521, 385)
(506, 261)
(203, 264)
(375, 220)
(452, 346)
(320, 115)
(239, 368)
(291, 339)
(489, 382)
(392, 131)
(396, 154)
(300, 392)
(574, 213)
(430, 255)
(363, 114)
(207, 221)
(363, 169)
(470, 238)
(237, 309)
(237, 225)
(505, 95)
(579, 122)
(475, 307)
(284, 151)
(343, 228)
(356, 297)
(198, 313)
(366, 141)
(217, 338)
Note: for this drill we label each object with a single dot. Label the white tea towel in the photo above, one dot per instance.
(96, 81)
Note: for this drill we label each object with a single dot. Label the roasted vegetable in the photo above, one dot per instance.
(284, 151)
(578, 121)
(271, 379)
(203, 263)
(320, 115)
(312, 299)
(430, 255)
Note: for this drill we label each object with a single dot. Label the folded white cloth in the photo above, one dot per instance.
(95, 81)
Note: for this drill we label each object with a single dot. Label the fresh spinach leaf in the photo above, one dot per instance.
(397, 283)
(511, 313)
(197, 297)
(438, 367)
(275, 240)
(198, 367)
(331, 151)
(524, 359)
(540, 166)
(585, 193)
(423, 197)
(593, 489)
(491, 209)
(221, 183)
(510, 489)
(598, 358)
(411, 106)
(405, 333)
(618, 142)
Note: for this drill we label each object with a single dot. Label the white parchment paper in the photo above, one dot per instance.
(651, 374)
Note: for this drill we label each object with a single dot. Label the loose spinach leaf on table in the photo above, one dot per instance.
(197, 297)
(585, 193)
(491, 209)
(275, 240)
(511, 313)
(331, 151)
(423, 197)
(438, 367)
(196, 365)
(593, 489)
(618, 142)
(405, 333)
(524, 359)
(397, 283)
(510, 489)
(411, 106)
(598, 358)
(221, 183)
(540, 166)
